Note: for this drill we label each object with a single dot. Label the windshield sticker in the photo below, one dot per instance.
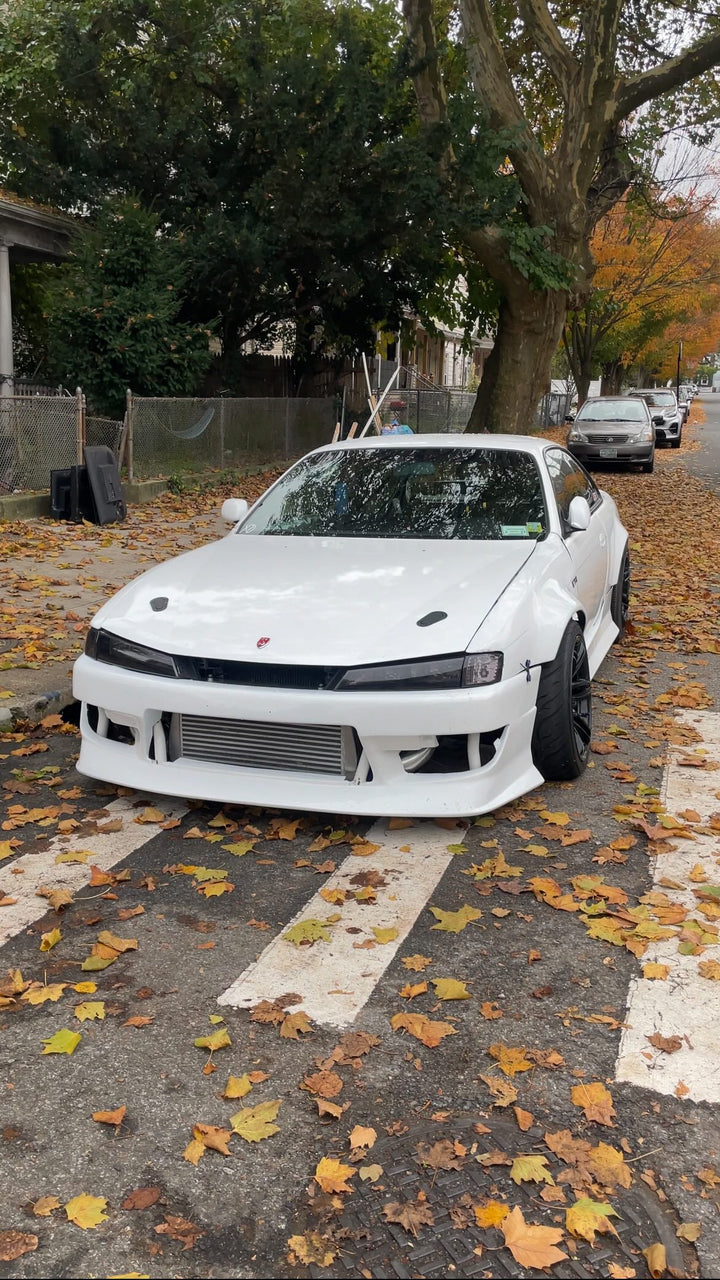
(532, 526)
(514, 531)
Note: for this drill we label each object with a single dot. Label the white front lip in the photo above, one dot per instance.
(383, 722)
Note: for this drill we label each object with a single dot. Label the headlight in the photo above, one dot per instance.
(644, 435)
(575, 435)
(106, 647)
(455, 672)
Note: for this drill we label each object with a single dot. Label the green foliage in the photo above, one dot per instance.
(113, 313)
(277, 139)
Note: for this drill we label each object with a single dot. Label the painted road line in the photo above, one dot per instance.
(684, 1004)
(337, 978)
(41, 869)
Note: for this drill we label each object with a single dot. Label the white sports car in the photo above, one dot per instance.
(400, 626)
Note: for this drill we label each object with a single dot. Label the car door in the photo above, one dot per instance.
(588, 548)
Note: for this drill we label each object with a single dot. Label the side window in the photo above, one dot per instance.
(569, 479)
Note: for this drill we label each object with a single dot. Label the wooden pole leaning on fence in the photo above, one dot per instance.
(79, 426)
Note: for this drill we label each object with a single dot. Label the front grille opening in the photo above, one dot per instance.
(120, 733)
(255, 744)
(451, 753)
(266, 675)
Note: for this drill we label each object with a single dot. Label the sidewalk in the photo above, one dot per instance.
(55, 576)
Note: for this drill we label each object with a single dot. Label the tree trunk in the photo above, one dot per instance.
(582, 383)
(612, 375)
(517, 371)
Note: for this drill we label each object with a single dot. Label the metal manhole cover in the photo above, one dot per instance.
(370, 1246)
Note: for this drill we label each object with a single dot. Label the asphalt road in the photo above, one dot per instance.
(706, 463)
(535, 979)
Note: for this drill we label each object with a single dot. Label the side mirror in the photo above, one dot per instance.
(569, 417)
(579, 513)
(233, 509)
(657, 422)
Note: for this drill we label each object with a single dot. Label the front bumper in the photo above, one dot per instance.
(668, 431)
(597, 451)
(385, 724)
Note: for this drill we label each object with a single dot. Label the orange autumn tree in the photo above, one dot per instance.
(657, 272)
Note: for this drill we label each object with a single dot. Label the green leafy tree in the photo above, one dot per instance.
(278, 138)
(113, 313)
(581, 93)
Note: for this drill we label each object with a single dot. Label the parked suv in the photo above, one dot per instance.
(613, 428)
(663, 406)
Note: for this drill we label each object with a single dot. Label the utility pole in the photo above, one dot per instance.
(677, 381)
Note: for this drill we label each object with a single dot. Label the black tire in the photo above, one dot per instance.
(649, 467)
(563, 723)
(620, 599)
(675, 444)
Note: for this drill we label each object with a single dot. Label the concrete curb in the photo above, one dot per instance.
(26, 506)
(34, 707)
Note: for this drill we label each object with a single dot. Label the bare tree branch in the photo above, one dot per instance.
(494, 87)
(672, 74)
(541, 26)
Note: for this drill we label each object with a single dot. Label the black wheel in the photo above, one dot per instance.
(675, 444)
(648, 467)
(563, 723)
(620, 600)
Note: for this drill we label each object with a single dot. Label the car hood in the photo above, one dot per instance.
(333, 601)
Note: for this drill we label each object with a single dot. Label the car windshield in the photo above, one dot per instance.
(657, 397)
(612, 411)
(406, 493)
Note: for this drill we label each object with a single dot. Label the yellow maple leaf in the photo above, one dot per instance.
(219, 1039)
(50, 939)
(149, 815)
(416, 963)
(454, 921)
(238, 1086)
(657, 971)
(86, 1211)
(595, 1100)
(76, 855)
(311, 1249)
(450, 989)
(240, 847)
(120, 945)
(587, 1217)
(608, 1166)
(85, 988)
(62, 1041)
(509, 1060)
(90, 1010)
(307, 932)
(413, 989)
(215, 889)
(491, 1214)
(555, 819)
(385, 935)
(422, 1028)
(531, 1169)
(38, 993)
(255, 1123)
(194, 1151)
(332, 1176)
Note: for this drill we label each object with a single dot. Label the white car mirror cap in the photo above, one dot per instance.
(233, 509)
(579, 513)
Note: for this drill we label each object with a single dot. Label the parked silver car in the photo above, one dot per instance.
(666, 416)
(613, 428)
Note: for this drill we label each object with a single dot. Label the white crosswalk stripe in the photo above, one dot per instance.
(336, 979)
(684, 1004)
(41, 870)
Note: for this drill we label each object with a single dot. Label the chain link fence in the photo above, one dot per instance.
(37, 435)
(170, 436)
(428, 411)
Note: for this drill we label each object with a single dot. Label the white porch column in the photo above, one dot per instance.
(6, 342)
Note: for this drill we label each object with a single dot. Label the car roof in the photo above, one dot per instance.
(647, 391)
(448, 440)
(605, 399)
